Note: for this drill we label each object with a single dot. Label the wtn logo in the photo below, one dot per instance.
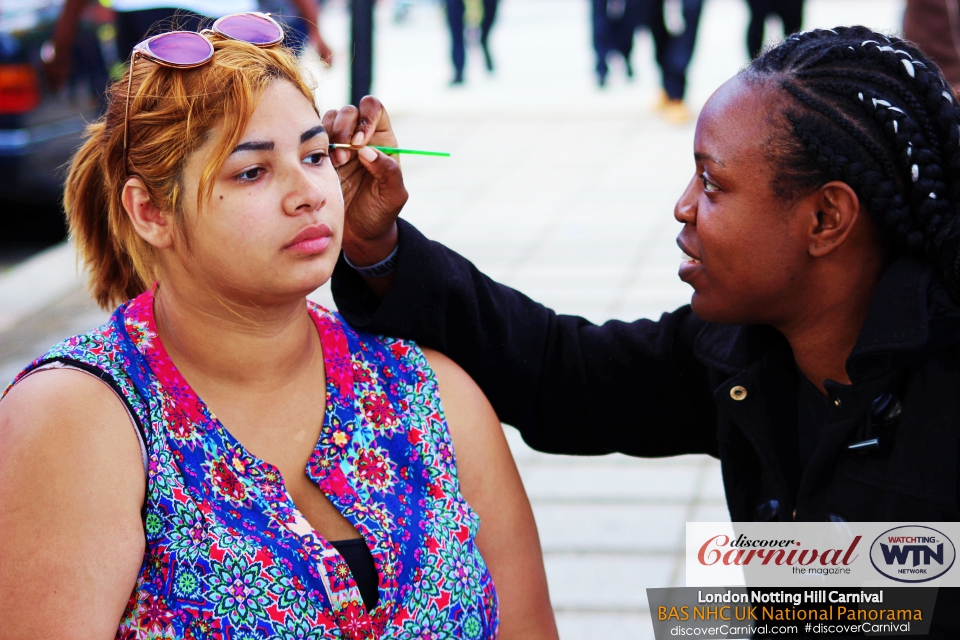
(899, 554)
(905, 549)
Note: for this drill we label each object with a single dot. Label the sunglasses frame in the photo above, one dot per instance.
(142, 50)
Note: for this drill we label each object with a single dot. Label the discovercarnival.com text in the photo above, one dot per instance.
(726, 630)
(748, 631)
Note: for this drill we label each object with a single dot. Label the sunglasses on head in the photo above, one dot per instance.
(189, 49)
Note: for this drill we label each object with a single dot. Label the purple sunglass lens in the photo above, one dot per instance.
(250, 28)
(181, 48)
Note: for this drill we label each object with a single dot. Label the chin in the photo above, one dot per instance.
(712, 310)
(288, 287)
(312, 274)
(310, 283)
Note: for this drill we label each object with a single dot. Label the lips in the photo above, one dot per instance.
(691, 264)
(312, 239)
(688, 254)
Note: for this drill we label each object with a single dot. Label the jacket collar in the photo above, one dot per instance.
(909, 303)
(898, 319)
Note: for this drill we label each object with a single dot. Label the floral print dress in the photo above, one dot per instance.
(228, 555)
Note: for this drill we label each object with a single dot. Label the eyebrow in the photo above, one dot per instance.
(701, 157)
(310, 133)
(267, 145)
(256, 145)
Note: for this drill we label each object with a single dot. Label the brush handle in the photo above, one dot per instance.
(394, 150)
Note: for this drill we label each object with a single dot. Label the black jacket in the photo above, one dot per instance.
(673, 386)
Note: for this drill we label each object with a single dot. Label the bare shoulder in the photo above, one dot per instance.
(63, 405)
(71, 488)
(65, 425)
(71, 431)
(490, 482)
(477, 435)
(441, 364)
(458, 391)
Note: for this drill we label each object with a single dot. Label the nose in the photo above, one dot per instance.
(685, 210)
(304, 193)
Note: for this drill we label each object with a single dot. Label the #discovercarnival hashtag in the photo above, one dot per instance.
(862, 627)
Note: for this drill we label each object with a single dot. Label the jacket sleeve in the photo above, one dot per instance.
(568, 385)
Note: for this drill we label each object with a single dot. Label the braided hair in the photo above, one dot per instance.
(874, 112)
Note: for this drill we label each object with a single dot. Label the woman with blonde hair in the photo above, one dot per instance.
(224, 459)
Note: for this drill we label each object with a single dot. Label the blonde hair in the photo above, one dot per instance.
(172, 111)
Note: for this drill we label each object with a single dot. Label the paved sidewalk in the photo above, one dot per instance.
(566, 192)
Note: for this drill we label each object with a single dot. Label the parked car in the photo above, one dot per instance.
(40, 128)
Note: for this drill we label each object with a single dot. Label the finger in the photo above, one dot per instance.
(373, 118)
(384, 169)
(367, 155)
(344, 124)
(339, 157)
(327, 121)
(390, 194)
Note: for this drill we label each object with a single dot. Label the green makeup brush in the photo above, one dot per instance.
(392, 150)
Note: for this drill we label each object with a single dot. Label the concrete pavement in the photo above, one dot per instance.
(564, 191)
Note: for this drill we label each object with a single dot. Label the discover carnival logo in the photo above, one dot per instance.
(912, 553)
(807, 554)
(743, 550)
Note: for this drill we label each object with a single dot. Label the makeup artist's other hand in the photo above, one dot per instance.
(373, 190)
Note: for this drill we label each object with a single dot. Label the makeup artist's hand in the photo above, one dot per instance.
(372, 184)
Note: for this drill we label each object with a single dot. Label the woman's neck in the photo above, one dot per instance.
(821, 346)
(222, 342)
(823, 334)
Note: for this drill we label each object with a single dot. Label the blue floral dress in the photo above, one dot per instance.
(229, 556)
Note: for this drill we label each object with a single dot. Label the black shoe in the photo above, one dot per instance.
(487, 58)
(457, 79)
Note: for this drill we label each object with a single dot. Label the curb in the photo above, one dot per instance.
(38, 282)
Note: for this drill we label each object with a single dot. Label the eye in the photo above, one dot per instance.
(249, 175)
(316, 159)
(708, 186)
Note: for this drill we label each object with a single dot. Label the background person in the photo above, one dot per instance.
(790, 13)
(673, 54)
(934, 26)
(820, 356)
(456, 11)
(613, 24)
(301, 21)
(134, 19)
(315, 489)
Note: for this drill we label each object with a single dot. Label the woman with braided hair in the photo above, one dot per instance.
(819, 358)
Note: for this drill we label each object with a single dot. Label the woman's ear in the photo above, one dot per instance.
(150, 222)
(837, 209)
